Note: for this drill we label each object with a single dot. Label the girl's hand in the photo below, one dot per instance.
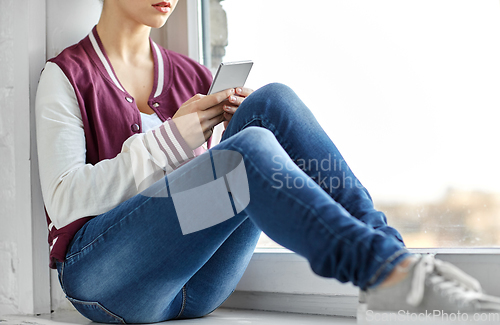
(197, 117)
(234, 102)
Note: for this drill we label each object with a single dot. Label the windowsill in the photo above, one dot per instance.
(221, 316)
(280, 280)
(448, 250)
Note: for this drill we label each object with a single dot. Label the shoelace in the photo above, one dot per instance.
(446, 278)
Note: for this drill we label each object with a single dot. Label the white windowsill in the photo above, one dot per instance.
(221, 316)
(280, 280)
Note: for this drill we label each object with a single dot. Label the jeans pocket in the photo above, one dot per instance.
(96, 312)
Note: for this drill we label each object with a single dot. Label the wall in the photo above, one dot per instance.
(22, 44)
(8, 254)
(68, 22)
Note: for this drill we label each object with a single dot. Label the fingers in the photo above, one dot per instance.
(210, 124)
(236, 100)
(232, 98)
(207, 112)
(211, 100)
(229, 109)
(216, 120)
(210, 109)
(227, 116)
(244, 92)
(212, 112)
(212, 116)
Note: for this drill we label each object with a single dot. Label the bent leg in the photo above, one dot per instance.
(133, 262)
(297, 213)
(277, 108)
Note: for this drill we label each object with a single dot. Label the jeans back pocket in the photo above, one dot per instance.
(96, 312)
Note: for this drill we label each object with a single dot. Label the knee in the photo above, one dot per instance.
(277, 88)
(254, 141)
(274, 91)
(276, 100)
(256, 134)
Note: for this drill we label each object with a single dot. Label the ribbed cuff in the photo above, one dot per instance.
(172, 144)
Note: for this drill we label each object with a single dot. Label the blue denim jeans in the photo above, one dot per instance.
(133, 264)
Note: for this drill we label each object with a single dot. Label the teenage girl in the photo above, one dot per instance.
(120, 128)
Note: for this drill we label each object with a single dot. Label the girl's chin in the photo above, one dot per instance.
(157, 23)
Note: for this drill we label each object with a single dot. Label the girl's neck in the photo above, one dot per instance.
(123, 39)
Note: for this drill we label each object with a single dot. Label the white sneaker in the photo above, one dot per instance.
(432, 285)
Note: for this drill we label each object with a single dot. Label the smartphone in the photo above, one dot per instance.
(230, 75)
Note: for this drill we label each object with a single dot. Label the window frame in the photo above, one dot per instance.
(182, 31)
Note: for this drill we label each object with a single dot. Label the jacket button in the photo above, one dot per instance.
(135, 127)
(156, 104)
(130, 100)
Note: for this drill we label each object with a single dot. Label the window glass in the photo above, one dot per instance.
(408, 90)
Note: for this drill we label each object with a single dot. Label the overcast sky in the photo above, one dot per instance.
(408, 90)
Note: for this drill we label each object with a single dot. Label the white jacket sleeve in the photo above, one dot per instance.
(73, 189)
